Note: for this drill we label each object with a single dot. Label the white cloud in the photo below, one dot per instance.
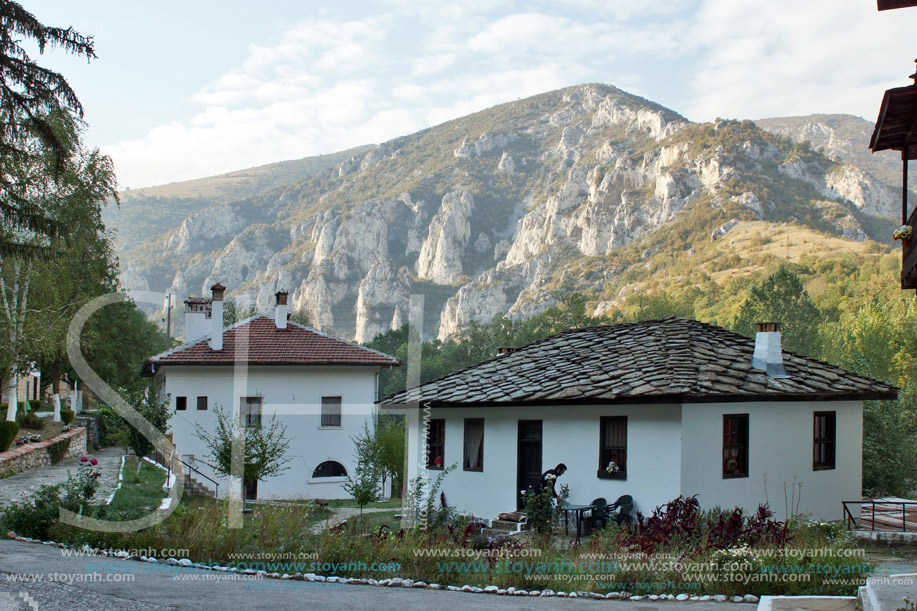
(329, 83)
(787, 57)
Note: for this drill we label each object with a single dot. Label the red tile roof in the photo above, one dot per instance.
(268, 345)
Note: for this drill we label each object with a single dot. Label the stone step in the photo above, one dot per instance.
(494, 534)
(505, 525)
(512, 516)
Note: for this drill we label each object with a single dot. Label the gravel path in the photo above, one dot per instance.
(19, 486)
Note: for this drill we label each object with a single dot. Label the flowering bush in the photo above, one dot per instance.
(36, 512)
(541, 512)
(905, 232)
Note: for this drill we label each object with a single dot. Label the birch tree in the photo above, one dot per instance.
(71, 275)
(15, 306)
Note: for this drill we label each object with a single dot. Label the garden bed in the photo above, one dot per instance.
(138, 494)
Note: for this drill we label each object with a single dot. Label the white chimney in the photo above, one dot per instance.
(281, 310)
(216, 317)
(197, 311)
(768, 356)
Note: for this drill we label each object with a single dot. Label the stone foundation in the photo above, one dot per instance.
(34, 455)
(890, 538)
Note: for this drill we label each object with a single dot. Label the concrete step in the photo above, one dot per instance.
(505, 525)
(512, 516)
(887, 593)
(494, 534)
(195, 488)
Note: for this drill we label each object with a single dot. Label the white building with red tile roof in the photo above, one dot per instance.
(321, 388)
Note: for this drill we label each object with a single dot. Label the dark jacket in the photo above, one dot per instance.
(549, 482)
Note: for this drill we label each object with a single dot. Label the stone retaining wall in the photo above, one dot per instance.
(890, 538)
(34, 455)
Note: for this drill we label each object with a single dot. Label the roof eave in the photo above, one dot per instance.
(649, 399)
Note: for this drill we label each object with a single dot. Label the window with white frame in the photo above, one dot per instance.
(331, 411)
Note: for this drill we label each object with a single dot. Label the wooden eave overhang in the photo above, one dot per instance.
(896, 127)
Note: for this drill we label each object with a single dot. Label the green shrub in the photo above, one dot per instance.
(29, 420)
(8, 432)
(112, 427)
(58, 450)
(35, 514)
(67, 415)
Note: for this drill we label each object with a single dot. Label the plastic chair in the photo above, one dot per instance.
(625, 506)
(599, 517)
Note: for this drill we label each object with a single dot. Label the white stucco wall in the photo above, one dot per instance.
(780, 438)
(294, 395)
(569, 435)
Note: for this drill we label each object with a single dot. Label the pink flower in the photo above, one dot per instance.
(93, 462)
(83, 459)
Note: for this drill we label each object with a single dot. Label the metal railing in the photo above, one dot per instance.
(216, 484)
(849, 518)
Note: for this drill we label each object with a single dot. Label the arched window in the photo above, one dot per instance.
(330, 468)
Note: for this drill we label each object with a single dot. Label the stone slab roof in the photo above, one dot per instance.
(268, 345)
(653, 361)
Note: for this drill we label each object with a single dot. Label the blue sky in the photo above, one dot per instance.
(186, 90)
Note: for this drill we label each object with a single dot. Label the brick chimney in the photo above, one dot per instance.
(504, 350)
(768, 356)
(216, 317)
(281, 310)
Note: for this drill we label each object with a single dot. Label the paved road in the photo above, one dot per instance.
(98, 582)
(15, 487)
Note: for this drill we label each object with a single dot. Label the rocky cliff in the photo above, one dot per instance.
(491, 213)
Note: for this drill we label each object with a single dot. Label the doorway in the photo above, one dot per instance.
(529, 459)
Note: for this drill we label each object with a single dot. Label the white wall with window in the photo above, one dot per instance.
(322, 407)
(661, 450)
(782, 442)
(571, 435)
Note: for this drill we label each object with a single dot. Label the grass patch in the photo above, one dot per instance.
(139, 494)
(394, 503)
(372, 522)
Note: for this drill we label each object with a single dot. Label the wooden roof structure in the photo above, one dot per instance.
(896, 127)
(886, 5)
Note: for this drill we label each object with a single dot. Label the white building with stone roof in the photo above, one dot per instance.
(680, 407)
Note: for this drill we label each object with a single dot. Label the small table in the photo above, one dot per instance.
(577, 511)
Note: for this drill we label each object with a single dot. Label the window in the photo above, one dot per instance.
(250, 411)
(201, 404)
(474, 445)
(613, 447)
(329, 468)
(735, 445)
(181, 403)
(436, 444)
(331, 411)
(825, 436)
